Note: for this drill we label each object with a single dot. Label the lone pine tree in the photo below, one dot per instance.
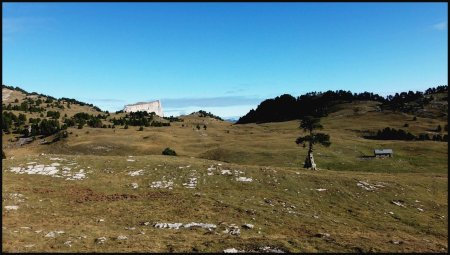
(310, 124)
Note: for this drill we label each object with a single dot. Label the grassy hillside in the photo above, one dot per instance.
(291, 209)
(103, 182)
(270, 144)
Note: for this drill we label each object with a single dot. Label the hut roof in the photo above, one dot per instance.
(383, 151)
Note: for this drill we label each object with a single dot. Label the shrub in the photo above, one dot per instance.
(126, 127)
(69, 122)
(423, 137)
(168, 151)
(415, 118)
(53, 114)
(95, 122)
(141, 128)
(63, 134)
(49, 127)
(406, 125)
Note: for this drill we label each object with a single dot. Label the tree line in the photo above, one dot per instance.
(315, 104)
(319, 104)
(400, 134)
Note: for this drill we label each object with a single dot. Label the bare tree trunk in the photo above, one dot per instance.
(309, 161)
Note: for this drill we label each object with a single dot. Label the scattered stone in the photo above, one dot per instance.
(134, 185)
(420, 209)
(100, 220)
(391, 213)
(168, 225)
(398, 203)
(396, 242)
(234, 230)
(131, 160)
(187, 225)
(100, 240)
(270, 250)
(136, 173)
(244, 179)
(366, 186)
(11, 207)
(237, 172)
(38, 231)
(68, 243)
(49, 171)
(249, 226)
(77, 176)
(130, 228)
(51, 234)
(322, 235)
(226, 172)
(162, 184)
(120, 238)
(28, 245)
(25, 227)
(321, 189)
(230, 250)
(201, 225)
(191, 184)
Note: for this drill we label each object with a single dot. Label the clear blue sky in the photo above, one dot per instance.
(221, 57)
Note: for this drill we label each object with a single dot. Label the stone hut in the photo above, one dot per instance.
(383, 153)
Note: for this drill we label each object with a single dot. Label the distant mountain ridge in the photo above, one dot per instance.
(319, 104)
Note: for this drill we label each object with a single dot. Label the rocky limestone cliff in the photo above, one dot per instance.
(154, 106)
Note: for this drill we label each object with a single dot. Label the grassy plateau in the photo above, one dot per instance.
(104, 189)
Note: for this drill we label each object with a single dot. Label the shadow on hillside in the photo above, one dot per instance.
(367, 157)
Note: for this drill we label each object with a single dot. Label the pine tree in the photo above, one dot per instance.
(310, 124)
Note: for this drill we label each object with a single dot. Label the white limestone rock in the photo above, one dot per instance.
(154, 106)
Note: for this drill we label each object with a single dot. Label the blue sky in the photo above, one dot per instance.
(221, 57)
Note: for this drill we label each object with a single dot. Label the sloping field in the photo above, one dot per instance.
(85, 203)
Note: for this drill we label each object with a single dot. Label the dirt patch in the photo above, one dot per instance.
(81, 195)
(91, 196)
